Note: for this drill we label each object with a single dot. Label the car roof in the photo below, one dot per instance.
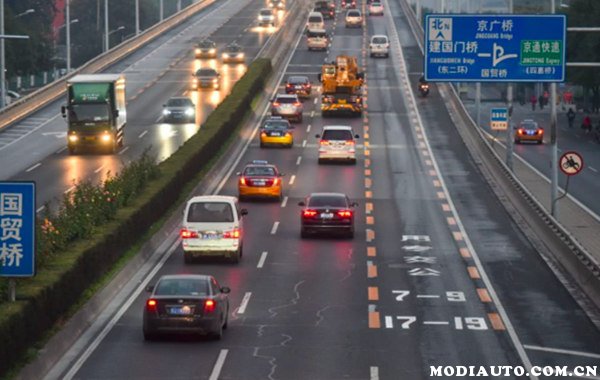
(180, 98)
(313, 13)
(297, 77)
(291, 96)
(327, 195)
(337, 127)
(379, 36)
(212, 198)
(317, 30)
(352, 11)
(185, 276)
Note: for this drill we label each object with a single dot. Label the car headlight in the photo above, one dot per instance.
(189, 111)
(241, 55)
(106, 137)
(198, 51)
(73, 138)
(166, 112)
(212, 51)
(215, 80)
(225, 55)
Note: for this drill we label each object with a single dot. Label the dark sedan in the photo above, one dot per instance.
(327, 212)
(299, 85)
(188, 304)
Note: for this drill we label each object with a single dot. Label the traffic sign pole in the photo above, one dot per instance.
(478, 102)
(509, 131)
(554, 145)
(12, 290)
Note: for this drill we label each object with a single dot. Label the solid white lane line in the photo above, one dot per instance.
(274, 229)
(33, 167)
(308, 128)
(374, 373)
(284, 203)
(562, 351)
(263, 257)
(292, 180)
(99, 169)
(592, 169)
(245, 300)
(40, 209)
(214, 375)
(304, 144)
(143, 134)
(298, 160)
(124, 150)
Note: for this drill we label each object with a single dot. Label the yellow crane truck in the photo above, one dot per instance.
(341, 83)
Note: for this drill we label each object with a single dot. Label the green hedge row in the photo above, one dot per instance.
(43, 299)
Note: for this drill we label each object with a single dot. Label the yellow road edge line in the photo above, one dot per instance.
(496, 321)
(373, 293)
(484, 296)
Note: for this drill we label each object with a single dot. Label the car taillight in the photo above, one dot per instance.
(324, 142)
(233, 234)
(307, 85)
(276, 104)
(243, 181)
(520, 131)
(540, 131)
(276, 182)
(187, 234)
(210, 306)
(263, 134)
(288, 85)
(309, 213)
(350, 142)
(151, 305)
(287, 134)
(297, 104)
(345, 213)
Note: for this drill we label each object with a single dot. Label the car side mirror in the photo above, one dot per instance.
(356, 136)
(318, 136)
(354, 204)
(150, 288)
(225, 290)
(244, 212)
(63, 111)
(301, 203)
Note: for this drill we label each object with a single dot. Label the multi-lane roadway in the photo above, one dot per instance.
(438, 272)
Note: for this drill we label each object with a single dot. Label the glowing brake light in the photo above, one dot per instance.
(210, 306)
(275, 104)
(324, 142)
(520, 131)
(297, 104)
(309, 213)
(540, 131)
(151, 305)
(187, 234)
(345, 213)
(350, 142)
(288, 85)
(233, 234)
(243, 181)
(276, 182)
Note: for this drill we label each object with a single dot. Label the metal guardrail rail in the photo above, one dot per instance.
(49, 93)
(580, 264)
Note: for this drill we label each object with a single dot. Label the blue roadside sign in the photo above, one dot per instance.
(495, 48)
(17, 229)
(499, 119)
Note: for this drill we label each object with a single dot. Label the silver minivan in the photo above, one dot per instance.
(315, 21)
(212, 226)
(337, 142)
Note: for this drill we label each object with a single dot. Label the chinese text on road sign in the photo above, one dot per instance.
(499, 119)
(494, 48)
(17, 229)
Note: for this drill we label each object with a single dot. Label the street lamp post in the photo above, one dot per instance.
(553, 143)
(68, 34)
(106, 25)
(162, 10)
(111, 32)
(137, 17)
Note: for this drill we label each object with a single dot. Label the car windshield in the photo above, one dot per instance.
(266, 12)
(354, 14)
(89, 112)
(312, 34)
(278, 125)
(529, 126)
(375, 4)
(234, 48)
(337, 134)
(206, 44)
(315, 19)
(379, 40)
(210, 212)
(206, 73)
(259, 171)
(182, 287)
(179, 102)
(327, 201)
(287, 100)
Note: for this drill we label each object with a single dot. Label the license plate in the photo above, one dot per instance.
(210, 236)
(298, 87)
(259, 183)
(326, 215)
(531, 133)
(342, 101)
(276, 134)
(90, 138)
(180, 310)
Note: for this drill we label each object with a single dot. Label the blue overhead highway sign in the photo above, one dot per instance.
(495, 48)
(17, 229)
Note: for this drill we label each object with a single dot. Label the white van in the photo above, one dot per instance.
(315, 21)
(212, 226)
(317, 39)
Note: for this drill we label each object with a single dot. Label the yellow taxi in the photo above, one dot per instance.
(276, 131)
(261, 180)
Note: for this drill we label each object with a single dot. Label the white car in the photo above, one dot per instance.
(354, 19)
(212, 226)
(337, 143)
(376, 8)
(317, 39)
(315, 21)
(379, 46)
(266, 17)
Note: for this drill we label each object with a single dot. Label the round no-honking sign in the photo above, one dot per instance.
(570, 163)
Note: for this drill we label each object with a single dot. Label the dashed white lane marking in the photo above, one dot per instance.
(308, 128)
(244, 304)
(70, 189)
(593, 169)
(304, 144)
(298, 160)
(312, 113)
(284, 203)
(143, 134)
(562, 351)
(214, 375)
(40, 209)
(315, 101)
(99, 169)
(124, 150)
(61, 150)
(374, 373)
(388, 322)
(292, 179)
(263, 257)
(274, 229)
(34, 167)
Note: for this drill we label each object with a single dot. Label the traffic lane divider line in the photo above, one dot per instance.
(368, 183)
(367, 162)
(484, 296)
(496, 321)
(371, 251)
(292, 179)
(263, 257)
(374, 320)
(451, 221)
(285, 200)
(370, 220)
(244, 303)
(371, 269)
(368, 194)
(274, 229)
(473, 272)
(367, 172)
(441, 195)
(446, 207)
(432, 173)
(464, 252)
(373, 293)
(34, 167)
(368, 207)
(216, 372)
(457, 236)
(370, 235)
(437, 183)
